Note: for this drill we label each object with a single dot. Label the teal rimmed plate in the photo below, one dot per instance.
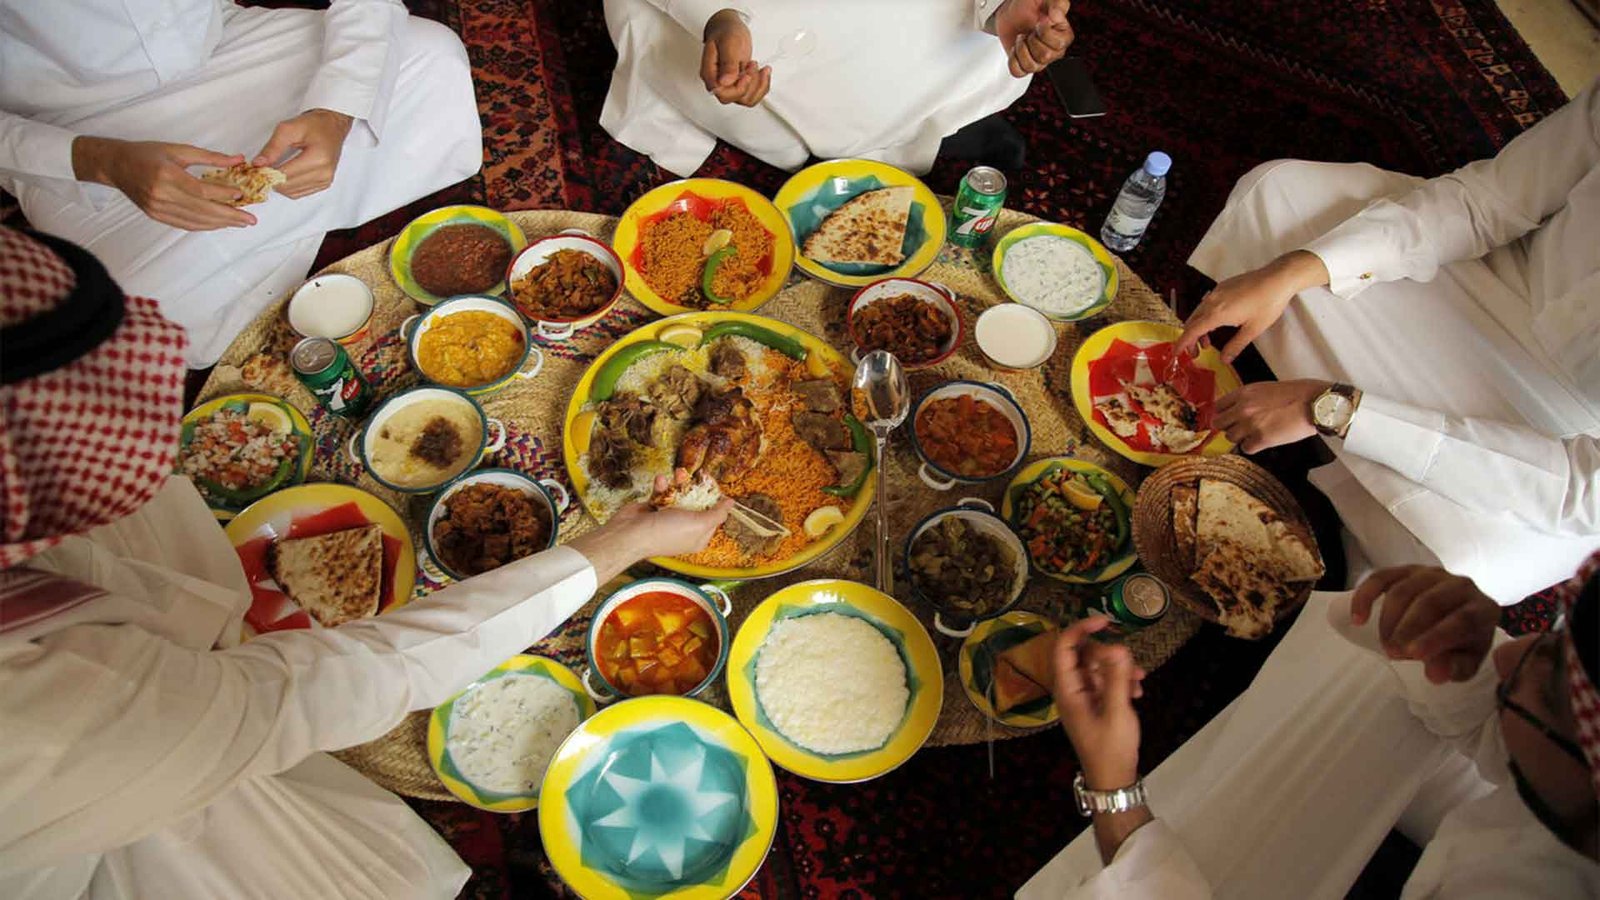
(1120, 557)
(272, 411)
(813, 193)
(976, 662)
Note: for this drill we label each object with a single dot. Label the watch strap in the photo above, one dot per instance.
(1121, 800)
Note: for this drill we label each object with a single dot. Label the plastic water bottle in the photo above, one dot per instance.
(1136, 205)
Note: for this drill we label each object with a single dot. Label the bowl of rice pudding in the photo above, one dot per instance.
(1059, 271)
(422, 439)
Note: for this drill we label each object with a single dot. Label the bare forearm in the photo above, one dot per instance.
(610, 550)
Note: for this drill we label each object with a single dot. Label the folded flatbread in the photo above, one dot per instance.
(869, 228)
(1012, 689)
(1247, 558)
(1247, 594)
(1185, 507)
(1034, 658)
(1123, 419)
(1165, 403)
(1178, 439)
(336, 577)
(253, 182)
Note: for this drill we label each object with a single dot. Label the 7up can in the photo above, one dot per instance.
(327, 372)
(1135, 601)
(979, 199)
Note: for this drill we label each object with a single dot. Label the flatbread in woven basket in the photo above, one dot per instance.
(1157, 544)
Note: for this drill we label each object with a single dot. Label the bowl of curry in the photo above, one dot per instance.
(968, 432)
(452, 251)
(657, 636)
(476, 344)
(565, 282)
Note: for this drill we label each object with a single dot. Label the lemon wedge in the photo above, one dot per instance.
(271, 416)
(715, 241)
(818, 523)
(1081, 495)
(581, 430)
(685, 336)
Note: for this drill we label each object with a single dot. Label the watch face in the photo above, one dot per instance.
(1332, 410)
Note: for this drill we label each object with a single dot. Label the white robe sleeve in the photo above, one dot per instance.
(694, 14)
(102, 718)
(35, 149)
(359, 65)
(1551, 484)
(1467, 213)
(1152, 864)
(983, 13)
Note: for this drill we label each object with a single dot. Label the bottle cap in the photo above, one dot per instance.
(1158, 164)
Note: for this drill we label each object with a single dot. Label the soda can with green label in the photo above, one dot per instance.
(979, 199)
(327, 372)
(1135, 601)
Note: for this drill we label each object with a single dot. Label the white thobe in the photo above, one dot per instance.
(1290, 790)
(149, 754)
(221, 77)
(1467, 309)
(886, 80)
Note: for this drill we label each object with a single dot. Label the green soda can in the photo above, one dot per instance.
(979, 199)
(1136, 601)
(327, 372)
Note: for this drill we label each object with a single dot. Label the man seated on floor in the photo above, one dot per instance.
(108, 106)
(881, 79)
(1460, 319)
(1401, 705)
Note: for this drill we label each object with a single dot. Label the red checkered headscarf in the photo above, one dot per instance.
(90, 437)
(1580, 685)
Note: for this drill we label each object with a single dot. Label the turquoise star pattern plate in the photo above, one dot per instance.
(924, 677)
(813, 193)
(658, 797)
(975, 666)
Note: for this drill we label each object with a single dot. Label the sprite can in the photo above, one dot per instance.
(979, 199)
(1136, 601)
(327, 372)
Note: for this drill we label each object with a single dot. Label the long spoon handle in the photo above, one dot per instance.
(885, 565)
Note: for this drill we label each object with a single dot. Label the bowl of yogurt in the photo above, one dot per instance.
(1059, 271)
(332, 305)
(1014, 337)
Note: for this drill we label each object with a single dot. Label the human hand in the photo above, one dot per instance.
(1035, 33)
(670, 531)
(1095, 685)
(1268, 413)
(154, 175)
(318, 135)
(726, 68)
(1252, 301)
(1432, 616)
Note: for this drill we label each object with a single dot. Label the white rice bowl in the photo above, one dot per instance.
(831, 683)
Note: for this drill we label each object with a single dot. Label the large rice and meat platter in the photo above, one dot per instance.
(1072, 523)
(1152, 399)
(569, 285)
(241, 452)
(745, 412)
(702, 253)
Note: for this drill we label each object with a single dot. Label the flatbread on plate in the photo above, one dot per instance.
(1165, 403)
(1012, 688)
(1034, 658)
(1178, 439)
(1185, 507)
(336, 577)
(1123, 419)
(253, 182)
(869, 228)
(1247, 594)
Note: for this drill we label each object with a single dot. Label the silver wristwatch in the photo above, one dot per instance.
(1120, 800)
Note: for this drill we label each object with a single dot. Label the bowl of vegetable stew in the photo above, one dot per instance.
(1073, 519)
(657, 636)
(968, 432)
(966, 564)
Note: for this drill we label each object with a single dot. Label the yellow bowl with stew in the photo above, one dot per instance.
(423, 439)
(476, 344)
(454, 250)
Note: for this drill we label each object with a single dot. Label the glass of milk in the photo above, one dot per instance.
(332, 306)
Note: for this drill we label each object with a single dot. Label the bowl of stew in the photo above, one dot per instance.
(454, 250)
(565, 282)
(657, 636)
(968, 432)
(475, 343)
(491, 518)
(917, 321)
(966, 564)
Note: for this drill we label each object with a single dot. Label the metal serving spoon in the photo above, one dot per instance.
(881, 383)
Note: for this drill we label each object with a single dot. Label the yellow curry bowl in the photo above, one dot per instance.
(474, 343)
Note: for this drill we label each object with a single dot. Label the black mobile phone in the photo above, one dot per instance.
(1070, 78)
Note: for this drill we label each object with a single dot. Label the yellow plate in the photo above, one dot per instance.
(1142, 334)
(626, 238)
(1036, 470)
(816, 191)
(975, 666)
(426, 224)
(703, 320)
(273, 515)
(924, 676)
(299, 427)
(521, 665)
(1108, 265)
(658, 797)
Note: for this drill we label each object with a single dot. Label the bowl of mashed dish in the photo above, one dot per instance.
(422, 439)
(1059, 271)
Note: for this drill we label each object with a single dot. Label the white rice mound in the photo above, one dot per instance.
(831, 683)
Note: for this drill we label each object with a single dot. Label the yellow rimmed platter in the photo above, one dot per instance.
(1101, 256)
(658, 797)
(814, 192)
(1150, 340)
(419, 229)
(290, 418)
(698, 196)
(579, 421)
(976, 661)
(924, 676)
(1118, 496)
(440, 722)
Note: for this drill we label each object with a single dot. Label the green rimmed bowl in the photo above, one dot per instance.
(422, 227)
(1109, 280)
(976, 661)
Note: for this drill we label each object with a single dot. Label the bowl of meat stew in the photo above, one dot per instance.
(565, 282)
(966, 564)
(491, 518)
(917, 321)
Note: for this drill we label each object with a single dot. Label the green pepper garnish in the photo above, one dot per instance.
(714, 262)
(1118, 508)
(788, 346)
(861, 443)
(605, 380)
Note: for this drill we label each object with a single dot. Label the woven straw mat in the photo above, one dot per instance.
(534, 411)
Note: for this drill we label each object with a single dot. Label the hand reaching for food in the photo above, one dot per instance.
(317, 138)
(726, 68)
(1252, 301)
(1268, 413)
(1095, 686)
(154, 175)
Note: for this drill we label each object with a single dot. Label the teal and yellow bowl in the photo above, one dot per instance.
(413, 328)
(815, 192)
(267, 408)
(976, 661)
(1107, 263)
(422, 227)
(1122, 556)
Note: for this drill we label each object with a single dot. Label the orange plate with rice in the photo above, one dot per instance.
(790, 470)
(661, 240)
